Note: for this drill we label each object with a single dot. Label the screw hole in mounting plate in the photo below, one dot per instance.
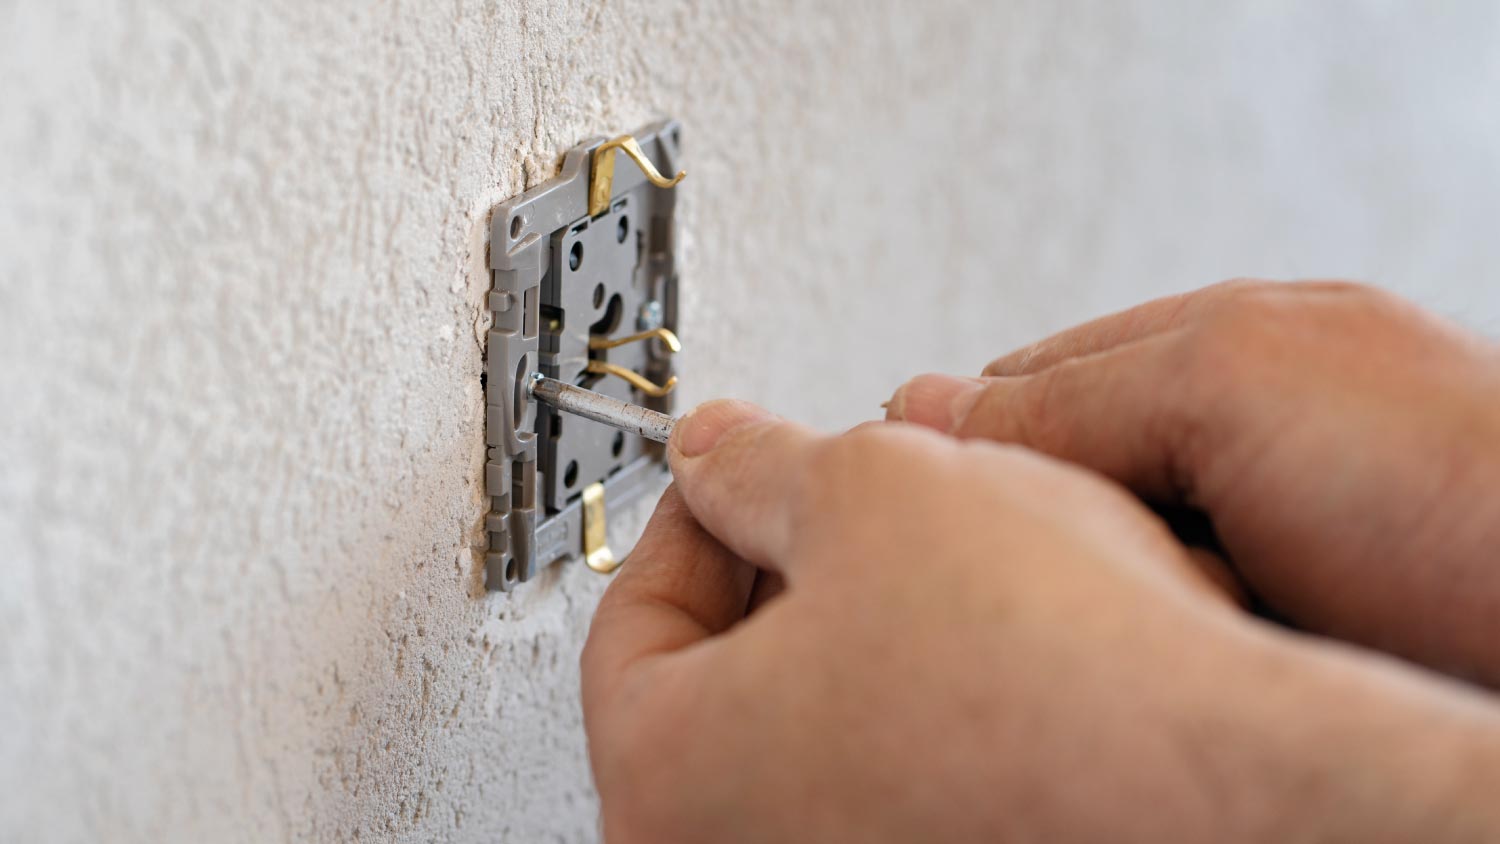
(618, 446)
(622, 229)
(516, 224)
(575, 256)
(570, 475)
(510, 569)
(599, 295)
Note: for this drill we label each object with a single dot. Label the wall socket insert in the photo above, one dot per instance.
(584, 259)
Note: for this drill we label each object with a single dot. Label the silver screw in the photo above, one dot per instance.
(650, 317)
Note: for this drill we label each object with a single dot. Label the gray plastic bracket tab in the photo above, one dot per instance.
(560, 277)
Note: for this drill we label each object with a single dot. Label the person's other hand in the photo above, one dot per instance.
(1345, 444)
(975, 642)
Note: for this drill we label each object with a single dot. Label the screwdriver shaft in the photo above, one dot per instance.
(631, 418)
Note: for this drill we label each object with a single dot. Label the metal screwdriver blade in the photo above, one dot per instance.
(631, 418)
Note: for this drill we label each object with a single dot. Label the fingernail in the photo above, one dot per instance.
(935, 401)
(698, 432)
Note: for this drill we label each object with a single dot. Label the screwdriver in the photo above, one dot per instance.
(630, 418)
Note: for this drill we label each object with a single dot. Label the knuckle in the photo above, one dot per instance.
(845, 452)
(1233, 288)
(1247, 308)
(845, 459)
(1268, 333)
(875, 450)
(1295, 315)
(1339, 287)
(1343, 303)
(1360, 300)
(1222, 351)
(1237, 330)
(1250, 302)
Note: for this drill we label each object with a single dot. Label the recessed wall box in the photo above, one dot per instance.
(584, 279)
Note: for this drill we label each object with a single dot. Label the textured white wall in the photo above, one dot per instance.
(241, 281)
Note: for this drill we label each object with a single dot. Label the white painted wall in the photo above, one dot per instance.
(241, 281)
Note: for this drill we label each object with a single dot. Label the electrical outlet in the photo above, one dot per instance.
(584, 291)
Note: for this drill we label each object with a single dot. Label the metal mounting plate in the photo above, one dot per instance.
(560, 277)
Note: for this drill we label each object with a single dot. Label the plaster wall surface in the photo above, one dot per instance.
(242, 270)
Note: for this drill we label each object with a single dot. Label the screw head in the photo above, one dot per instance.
(651, 316)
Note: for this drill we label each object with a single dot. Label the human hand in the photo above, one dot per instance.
(1345, 444)
(977, 643)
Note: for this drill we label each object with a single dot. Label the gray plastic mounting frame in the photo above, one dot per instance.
(561, 276)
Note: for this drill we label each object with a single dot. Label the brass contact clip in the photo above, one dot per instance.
(602, 180)
(596, 553)
(638, 381)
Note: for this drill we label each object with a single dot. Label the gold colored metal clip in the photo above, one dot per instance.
(596, 553)
(637, 380)
(602, 180)
(663, 334)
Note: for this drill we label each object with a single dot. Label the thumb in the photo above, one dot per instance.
(740, 470)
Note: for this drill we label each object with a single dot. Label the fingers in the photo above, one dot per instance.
(1117, 329)
(679, 587)
(935, 400)
(1219, 580)
(739, 468)
(1128, 413)
(768, 585)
